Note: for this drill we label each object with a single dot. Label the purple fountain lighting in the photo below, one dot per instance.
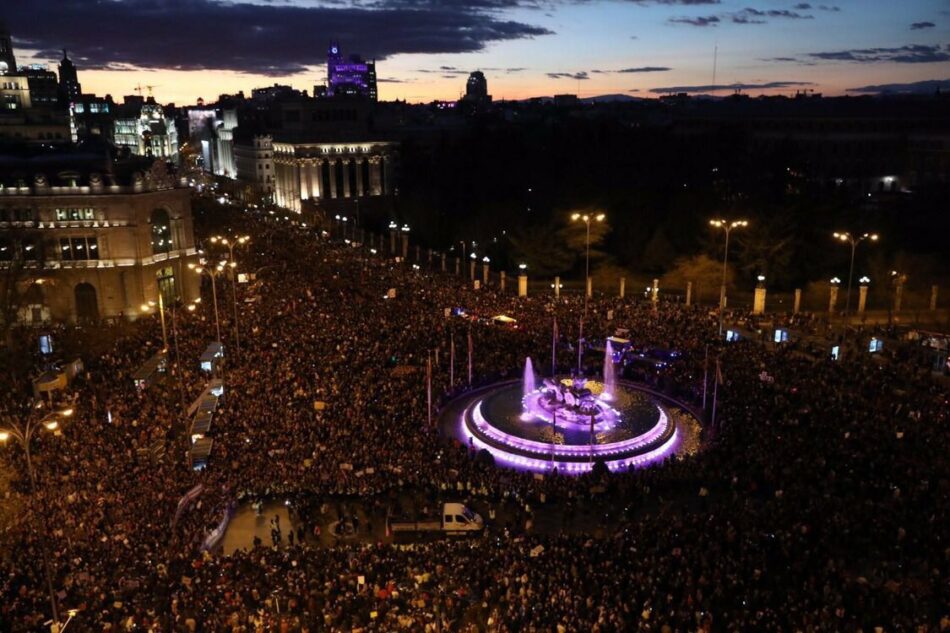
(610, 375)
(528, 383)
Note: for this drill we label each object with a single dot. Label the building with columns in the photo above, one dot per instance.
(326, 172)
(83, 238)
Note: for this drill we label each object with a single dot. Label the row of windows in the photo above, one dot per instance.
(10, 85)
(17, 215)
(9, 249)
(94, 108)
(78, 248)
(72, 213)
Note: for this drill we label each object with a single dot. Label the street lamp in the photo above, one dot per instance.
(847, 238)
(727, 226)
(212, 273)
(586, 218)
(231, 244)
(24, 433)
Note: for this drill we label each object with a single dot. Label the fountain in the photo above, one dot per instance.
(610, 377)
(529, 380)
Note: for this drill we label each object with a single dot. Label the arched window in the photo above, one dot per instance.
(161, 231)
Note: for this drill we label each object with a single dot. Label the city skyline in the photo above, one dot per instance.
(426, 49)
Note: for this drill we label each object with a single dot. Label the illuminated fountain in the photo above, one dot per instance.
(567, 423)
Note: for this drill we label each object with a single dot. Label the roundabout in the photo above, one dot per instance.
(570, 423)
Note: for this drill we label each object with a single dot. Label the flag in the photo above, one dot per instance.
(469, 356)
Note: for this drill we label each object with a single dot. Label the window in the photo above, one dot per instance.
(6, 250)
(161, 231)
(94, 108)
(166, 284)
(79, 108)
(75, 248)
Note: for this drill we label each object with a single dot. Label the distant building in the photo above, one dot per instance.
(93, 117)
(212, 129)
(43, 85)
(86, 238)
(329, 172)
(68, 80)
(277, 91)
(7, 58)
(352, 77)
(476, 89)
(143, 128)
(564, 100)
(254, 164)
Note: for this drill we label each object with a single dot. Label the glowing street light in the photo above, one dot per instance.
(24, 433)
(727, 226)
(587, 218)
(847, 238)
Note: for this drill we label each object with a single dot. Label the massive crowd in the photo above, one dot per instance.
(818, 504)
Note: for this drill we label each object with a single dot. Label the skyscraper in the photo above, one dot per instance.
(68, 80)
(349, 77)
(7, 58)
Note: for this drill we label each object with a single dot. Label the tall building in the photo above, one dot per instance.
(68, 80)
(43, 85)
(476, 89)
(254, 163)
(353, 77)
(7, 58)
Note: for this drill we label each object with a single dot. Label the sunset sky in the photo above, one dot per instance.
(425, 48)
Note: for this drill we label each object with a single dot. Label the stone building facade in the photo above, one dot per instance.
(326, 172)
(96, 246)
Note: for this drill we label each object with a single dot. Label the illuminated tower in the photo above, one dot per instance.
(7, 59)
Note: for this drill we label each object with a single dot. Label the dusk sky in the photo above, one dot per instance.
(425, 48)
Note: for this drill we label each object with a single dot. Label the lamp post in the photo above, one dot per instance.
(853, 240)
(727, 226)
(212, 273)
(231, 244)
(586, 218)
(24, 433)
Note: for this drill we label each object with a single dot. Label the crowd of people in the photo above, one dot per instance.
(819, 502)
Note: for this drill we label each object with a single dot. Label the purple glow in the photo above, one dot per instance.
(528, 381)
(610, 377)
(529, 464)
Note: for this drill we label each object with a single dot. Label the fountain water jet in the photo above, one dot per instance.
(528, 384)
(610, 376)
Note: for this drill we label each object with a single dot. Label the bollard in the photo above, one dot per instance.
(501, 280)
(689, 293)
(522, 285)
(623, 286)
(655, 291)
(590, 287)
(557, 286)
(862, 298)
(798, 301)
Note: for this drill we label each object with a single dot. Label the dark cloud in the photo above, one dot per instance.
(645, 69)
(737, 86)
(709, 20)
(917, 26)
(802, 6)
(910, 54)
(580, 75)
(829, 7)
(274, 39)
(929, 86)
(758, 16)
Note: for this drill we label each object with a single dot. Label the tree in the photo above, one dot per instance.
(543, 250)
(703, 271)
